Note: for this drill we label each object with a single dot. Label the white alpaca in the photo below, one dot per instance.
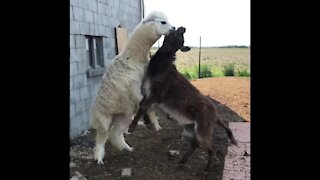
(119, 94)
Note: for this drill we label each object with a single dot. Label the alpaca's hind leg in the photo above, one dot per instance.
(101, 138)
(99, 150)
(120, 126)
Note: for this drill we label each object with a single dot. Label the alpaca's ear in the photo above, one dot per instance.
(185, 49)
(150, 19)
(146, 21)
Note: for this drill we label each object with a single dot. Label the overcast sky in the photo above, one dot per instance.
(218, 22)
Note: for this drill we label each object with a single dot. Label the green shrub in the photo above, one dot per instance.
(243, 72)
(217, 71)
(229, 70)
(205, 71)
(186, 75)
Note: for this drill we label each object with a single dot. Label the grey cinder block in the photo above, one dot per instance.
(74, 69)
(73, 131)
(89, 102)
(85, 118)
(73, 56)
(96, 30)
(71, 13)
(78, 54)
(93, 6)
(104, 20)
(82, 67)
(85, 28)
(78, 14)
(88, 16)
(80, 106)
(116, 3)
(82, 3)
(107, 11)
(80, 41)
(84, 93)
(74, 2)
(74, 27)
(110, 32)
(71, 82)
(72, 110)
(100, 8)
(96, 18)
(74, 96)
(102, 30)
(78, 81)
(72, 41)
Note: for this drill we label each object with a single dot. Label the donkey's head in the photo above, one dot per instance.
(174, 41)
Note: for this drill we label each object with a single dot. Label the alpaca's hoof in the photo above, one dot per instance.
(100, 162)
(158, 127)
(130, 149)
(99, 154)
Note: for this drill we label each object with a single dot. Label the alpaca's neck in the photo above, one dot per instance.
(139, 44)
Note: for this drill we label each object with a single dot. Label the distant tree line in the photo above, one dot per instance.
(234, 46)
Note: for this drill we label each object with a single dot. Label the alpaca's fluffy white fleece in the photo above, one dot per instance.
(119, 94)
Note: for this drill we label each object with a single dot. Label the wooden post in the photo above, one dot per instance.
(199, 74)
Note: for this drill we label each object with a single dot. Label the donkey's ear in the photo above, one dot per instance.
(185, 49)
(181, 29)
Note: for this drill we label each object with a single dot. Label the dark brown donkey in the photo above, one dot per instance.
(165, 87)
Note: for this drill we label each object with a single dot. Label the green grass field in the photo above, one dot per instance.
(215, 62)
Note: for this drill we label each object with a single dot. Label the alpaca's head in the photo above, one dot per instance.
(174, 41)
(157, 24)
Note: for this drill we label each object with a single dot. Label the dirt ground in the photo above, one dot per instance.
(150, 159)
(233, 92)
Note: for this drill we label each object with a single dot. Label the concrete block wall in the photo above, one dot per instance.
(97, 18)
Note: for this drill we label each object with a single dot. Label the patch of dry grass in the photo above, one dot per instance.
(216, 59)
